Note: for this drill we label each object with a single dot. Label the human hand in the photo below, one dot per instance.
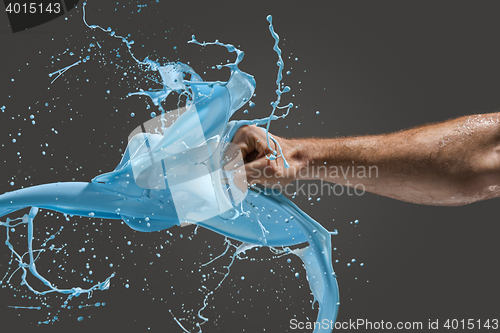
(251, 141)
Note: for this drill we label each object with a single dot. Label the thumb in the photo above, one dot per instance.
(259, 171)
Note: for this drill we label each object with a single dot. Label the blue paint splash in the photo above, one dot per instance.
(182, 164)
(279, 92)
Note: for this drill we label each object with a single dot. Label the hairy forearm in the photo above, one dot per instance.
(451, 163)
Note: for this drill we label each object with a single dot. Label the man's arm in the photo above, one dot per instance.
(451, 163)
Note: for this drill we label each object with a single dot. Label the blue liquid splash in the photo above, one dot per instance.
(146, 202)
(279, 92)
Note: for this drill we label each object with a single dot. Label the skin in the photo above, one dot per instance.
(452, 163)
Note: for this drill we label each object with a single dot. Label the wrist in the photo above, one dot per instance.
(301, 157)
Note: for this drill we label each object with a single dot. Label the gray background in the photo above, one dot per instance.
(368, 66)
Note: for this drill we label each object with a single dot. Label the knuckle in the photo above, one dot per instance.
(244, 129)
